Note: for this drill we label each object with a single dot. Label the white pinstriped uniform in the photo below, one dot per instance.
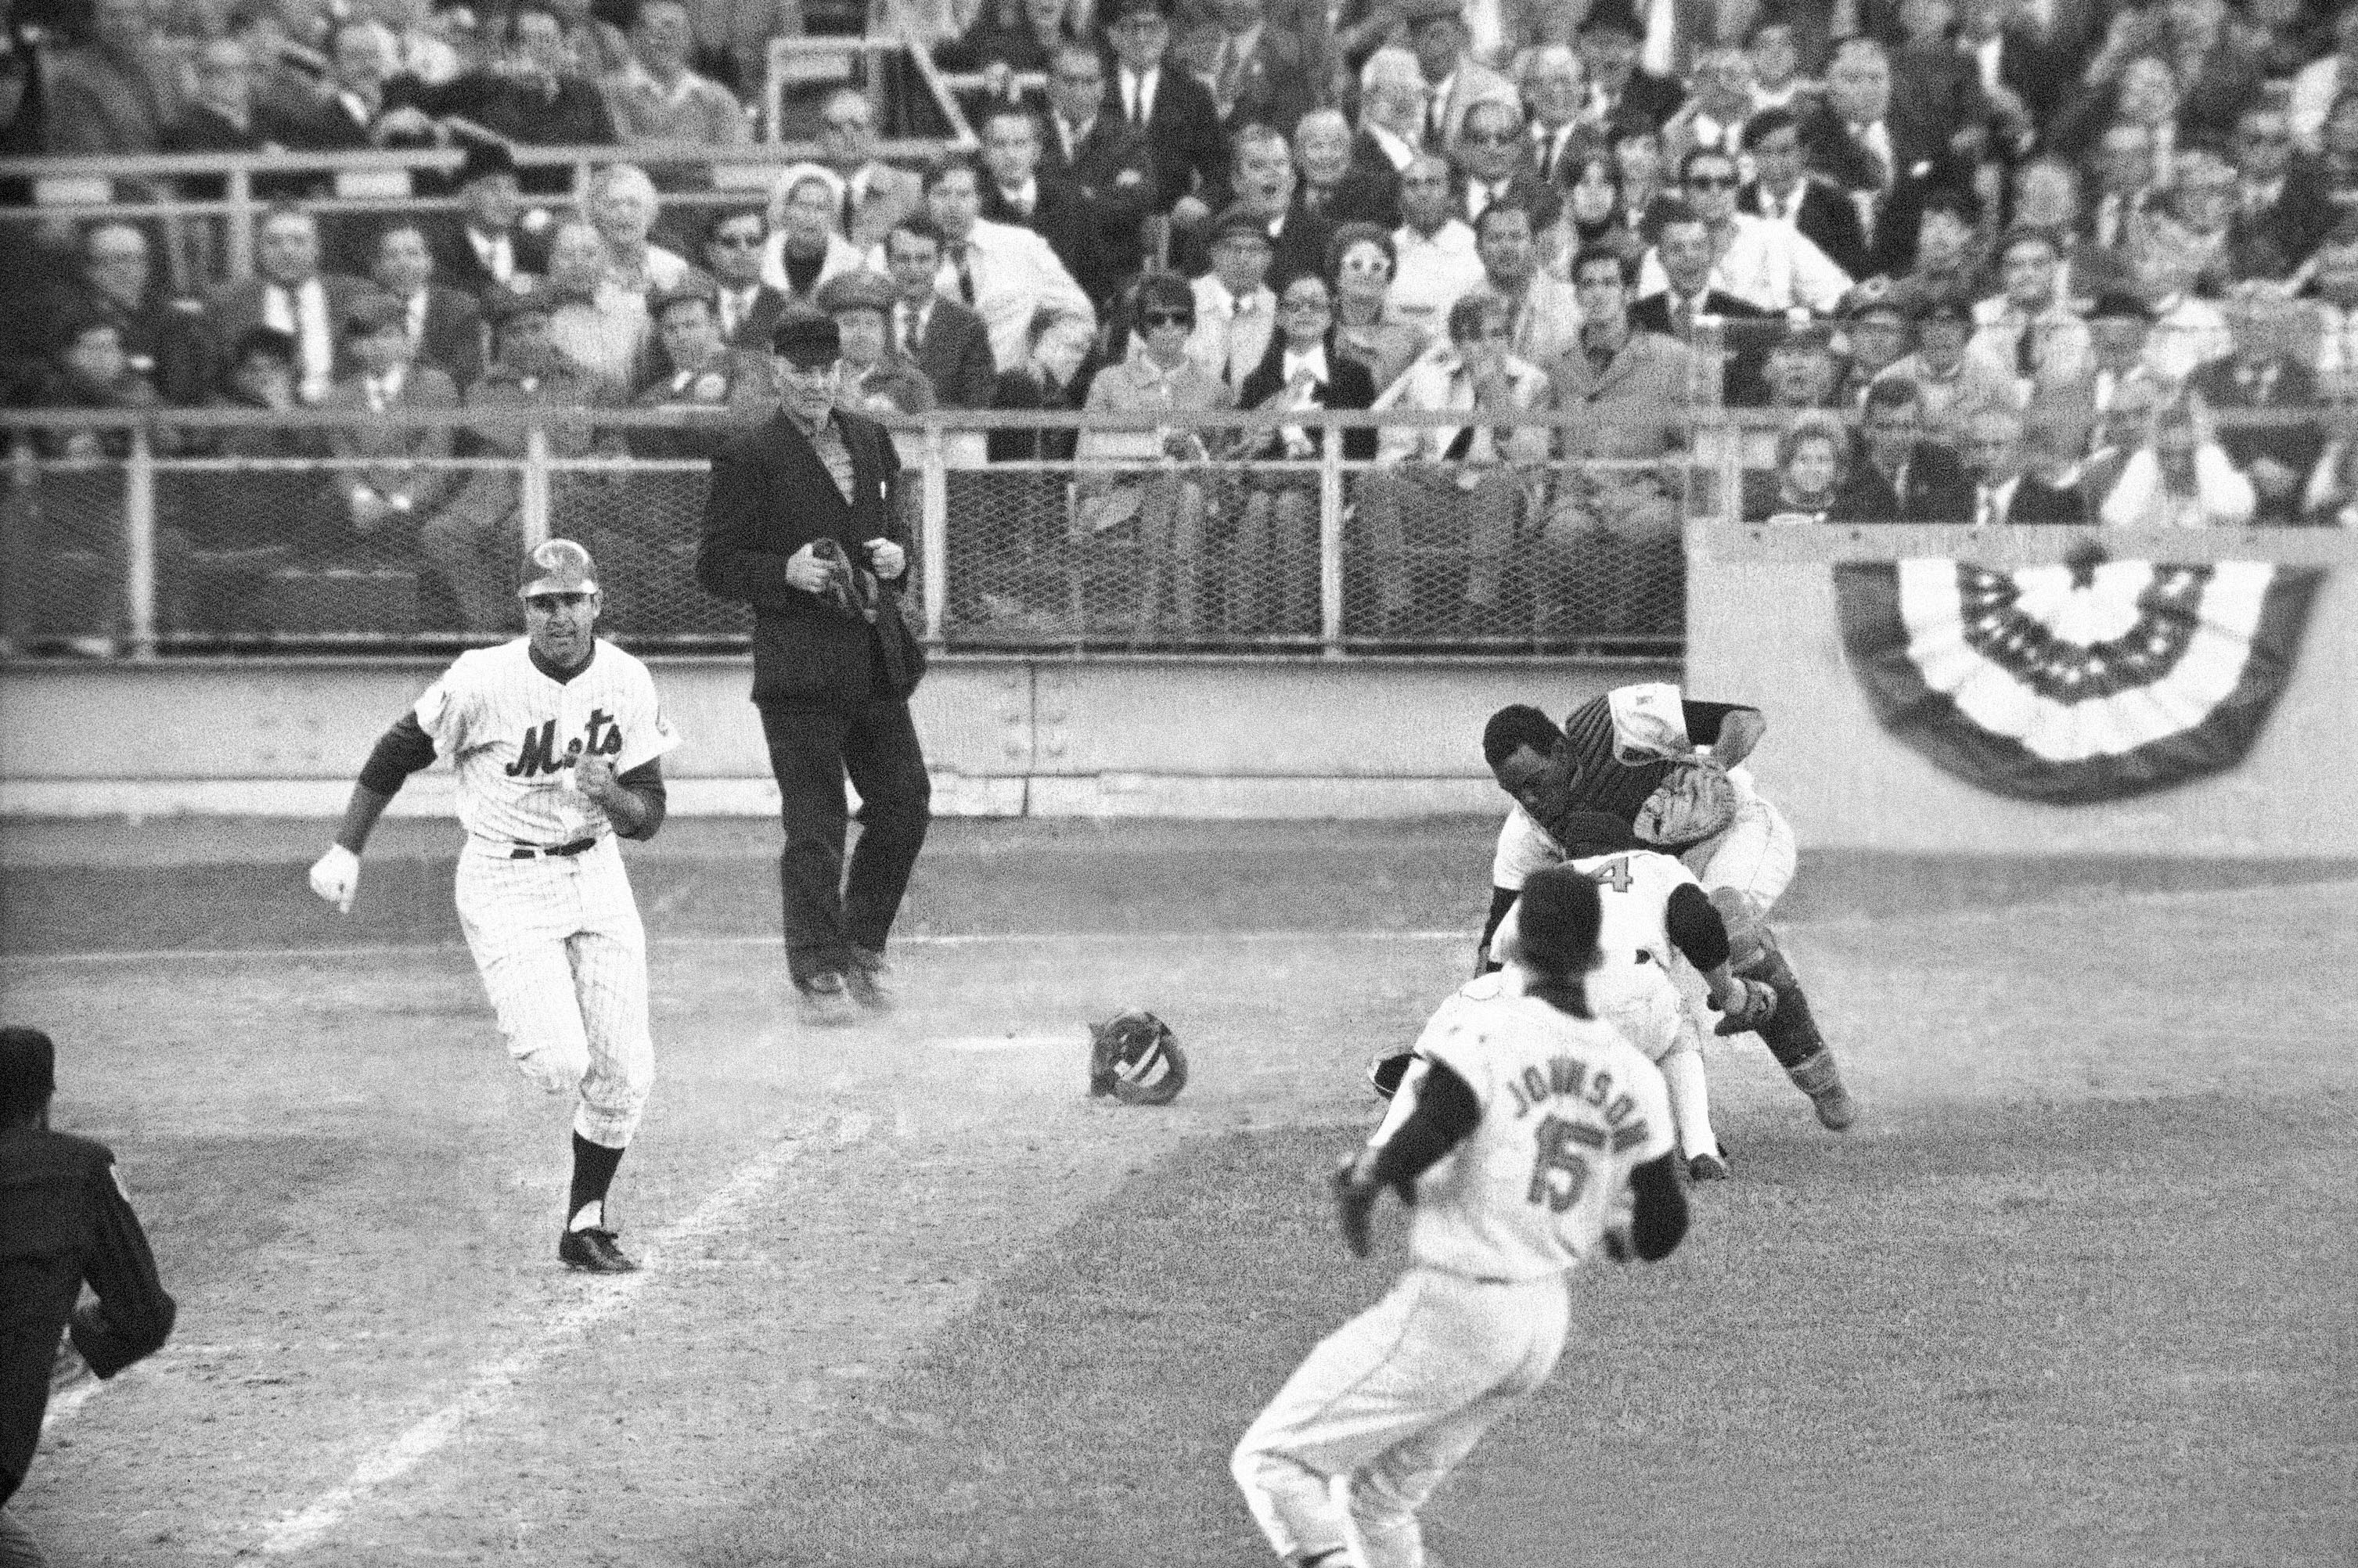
(1386, 1406)
(556, 939)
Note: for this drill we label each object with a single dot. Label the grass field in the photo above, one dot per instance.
(2080, 1289)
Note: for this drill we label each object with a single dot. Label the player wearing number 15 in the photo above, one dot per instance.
(556, 738)
(1519, 1132)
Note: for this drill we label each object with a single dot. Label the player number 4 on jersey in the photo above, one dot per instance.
(1614, 873)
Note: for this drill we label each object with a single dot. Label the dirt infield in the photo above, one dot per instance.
(2077, 1291)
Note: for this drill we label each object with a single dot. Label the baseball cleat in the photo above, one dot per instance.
(869, 979)
(1706, 1168)
(825, 999)
(593, 1250)
(1836, 1110)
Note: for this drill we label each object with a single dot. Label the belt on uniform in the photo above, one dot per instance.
(538, 851)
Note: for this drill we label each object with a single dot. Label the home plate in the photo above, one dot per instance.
(980, 1042)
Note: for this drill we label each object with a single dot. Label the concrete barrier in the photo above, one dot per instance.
(1763, 627)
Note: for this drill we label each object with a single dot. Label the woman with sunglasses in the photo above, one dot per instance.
(1167, 499)
(1361, 262)
(1276, 554)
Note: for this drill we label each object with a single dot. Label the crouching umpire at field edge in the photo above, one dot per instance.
(64, 1218)
(804, 525)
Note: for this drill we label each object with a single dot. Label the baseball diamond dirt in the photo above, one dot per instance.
(2079, 1283)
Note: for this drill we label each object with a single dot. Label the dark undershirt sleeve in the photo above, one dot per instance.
(400, 752)
(1445, 1113)
(646, 781)
(1703, 718)
(1658, 1222)
(1695, 927)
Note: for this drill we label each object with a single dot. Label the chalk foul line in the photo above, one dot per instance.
(492, 1382)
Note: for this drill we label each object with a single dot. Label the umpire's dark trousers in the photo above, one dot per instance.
(813, 745)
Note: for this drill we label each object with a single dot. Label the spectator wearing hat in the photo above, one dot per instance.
(716, 387)
(1004, 274)
(2266, 371)
(1612, 546)
(1948, 382)
(1554, 87)
(491, 237)
(657, 97)
(391, 496)
(2123, 387)
(1896, 475)
(1785, 189)
(877, 379)
(1453, 80)
(1876, 335)
(289, 292)
(474, 542)
(1173, 110)
(445, 326)
(832, 688)
(1168, 503)
(1761, 260)
(1469, 484)
(734, 238)
(1621, 92)
(1236, 308)
(1437, 259)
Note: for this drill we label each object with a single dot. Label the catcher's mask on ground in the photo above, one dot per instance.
(1135, 1058)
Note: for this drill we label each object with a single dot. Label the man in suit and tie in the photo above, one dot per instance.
(1879, 150)
(1236, 309)
(391, 498)
(745, 309)
(1621, 92)
(2266, 371)
(445, 326)
(1392, 113)
(1687, 254)
(2284, 202)
(1899, 477)
(1015, 193)
(1004, 274)
(491, 238)
(1101, 158)
(289, 294)
(1173, 109)
(946, 341)
(1491, 168)
(1555, 88)
(1261, 75)
(1613, 534)
(870, 195)
(1786, 190)
(1453, 80)
(1265, 186)
(1333, 190)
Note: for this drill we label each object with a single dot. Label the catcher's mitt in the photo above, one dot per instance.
(1748, 1005)
(850, 590)
(1135, 1058)
(1694, 801)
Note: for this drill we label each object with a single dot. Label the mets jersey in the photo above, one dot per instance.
(1569, 1108)
(1634, 888)
(515, 733)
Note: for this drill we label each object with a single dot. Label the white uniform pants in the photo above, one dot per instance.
(1387, 1405)
(564, 958)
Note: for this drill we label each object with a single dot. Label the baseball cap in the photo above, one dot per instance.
(557, 566)
(27, 1072)
(862, 290)
(807, 339)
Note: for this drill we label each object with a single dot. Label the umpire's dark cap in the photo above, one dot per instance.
(1559, 922)
(807, 339)
(557, 566)
(28, 1064)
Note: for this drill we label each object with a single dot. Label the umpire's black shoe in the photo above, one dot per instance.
(869, 980)
(594, 1250)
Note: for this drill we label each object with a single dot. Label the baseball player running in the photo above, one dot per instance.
(1527, 1135)
(1667, 769)
(557, 738)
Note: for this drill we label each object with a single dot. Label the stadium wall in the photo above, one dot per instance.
(1764, 626)
(1200, 737)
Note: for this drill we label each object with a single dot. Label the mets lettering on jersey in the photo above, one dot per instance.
(514, 734)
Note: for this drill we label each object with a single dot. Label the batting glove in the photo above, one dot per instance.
(1356, 1190)
(336, 876)
(1746, 1004)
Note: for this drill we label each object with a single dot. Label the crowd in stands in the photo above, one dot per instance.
(1987, 260)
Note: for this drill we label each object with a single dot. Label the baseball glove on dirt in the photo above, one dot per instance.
(1135, 1058)
(850, 590)
(1748, 1005)
(1356, 1190)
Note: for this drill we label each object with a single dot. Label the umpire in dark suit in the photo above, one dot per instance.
(64, 1220)
(831, 679)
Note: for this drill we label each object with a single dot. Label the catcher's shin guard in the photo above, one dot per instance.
(1793, 1037)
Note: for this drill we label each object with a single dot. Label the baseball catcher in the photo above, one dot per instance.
(1135, 1058)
